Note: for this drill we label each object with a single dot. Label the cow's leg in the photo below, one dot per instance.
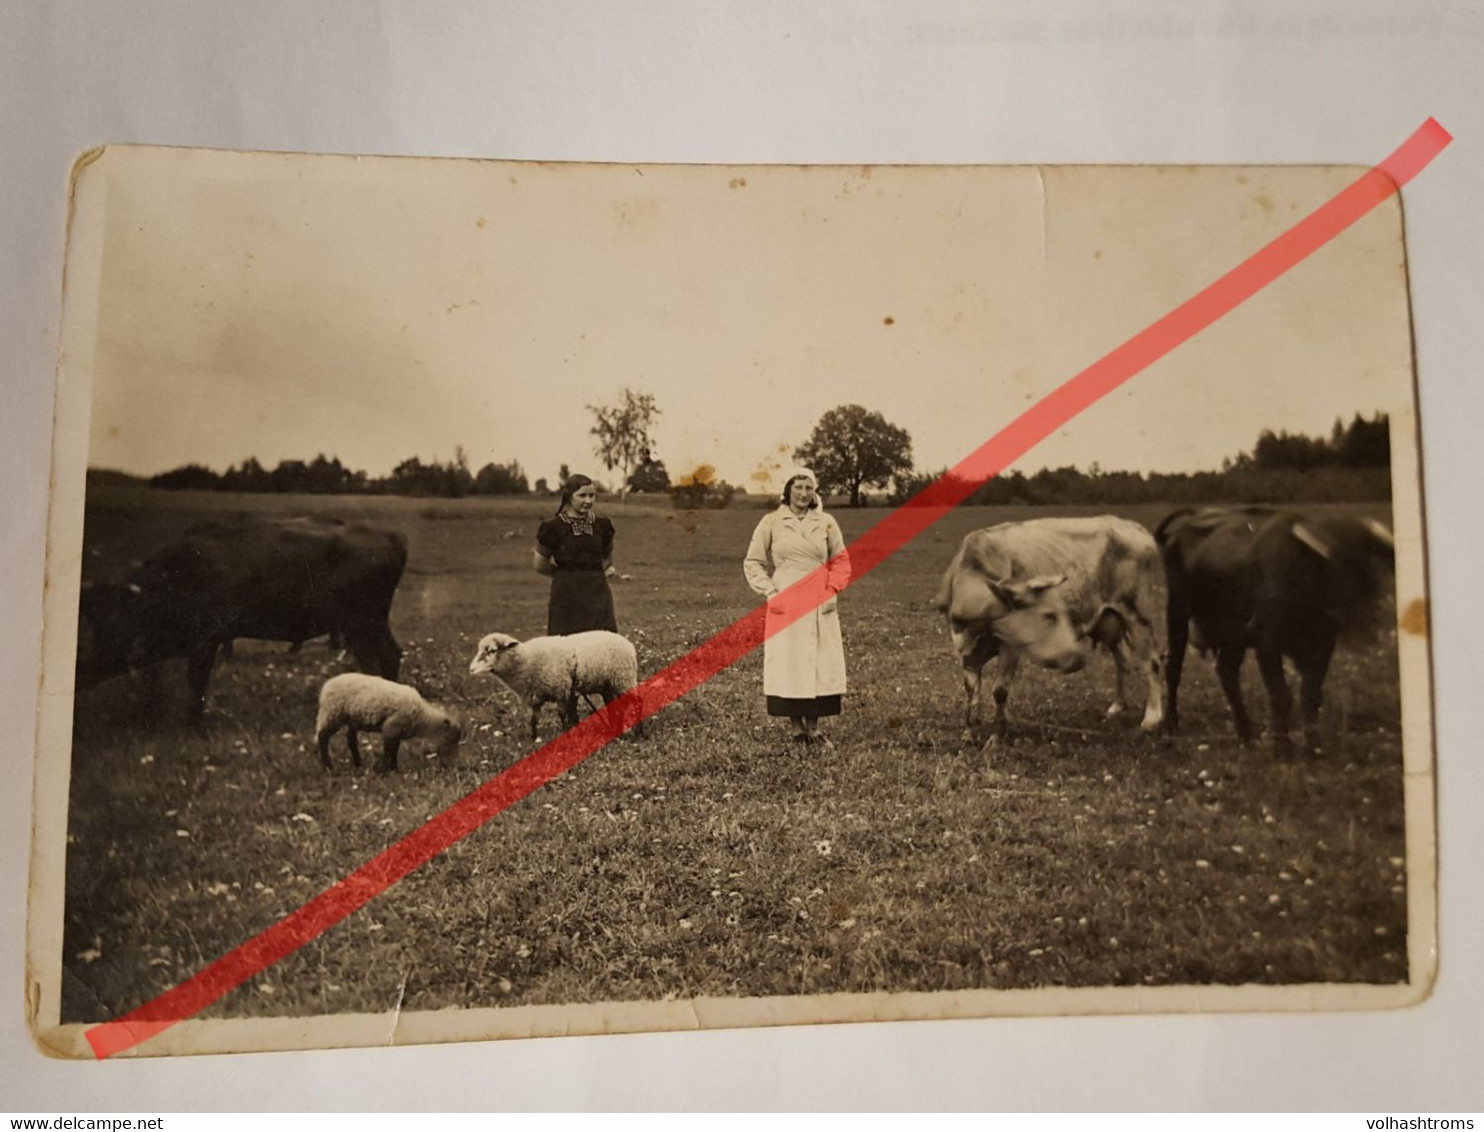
(353, 741)
(1004, 675)
(569, 711)
(975, 651)
(1178, 629)
(1280, 699)
(1140, 649)
(536, 706)
(150, 684)
(1312, 670)
(1120, 665)
(198, 675)
(391, 654)
(1229, 671)
(973, 679)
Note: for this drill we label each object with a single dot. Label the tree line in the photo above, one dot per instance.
(852, 449)
(328, 476)
(1351, 465)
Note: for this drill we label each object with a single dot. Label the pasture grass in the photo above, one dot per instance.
(714, 858)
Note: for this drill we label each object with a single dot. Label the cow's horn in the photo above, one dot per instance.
(1381, 533)
(1310, 538)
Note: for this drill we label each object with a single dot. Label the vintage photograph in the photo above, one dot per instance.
(375, 475)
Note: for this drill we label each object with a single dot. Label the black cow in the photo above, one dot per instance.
(277, 580)
(1277, 583)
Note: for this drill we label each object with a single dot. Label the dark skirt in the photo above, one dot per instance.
(580, 600)
(796, 708)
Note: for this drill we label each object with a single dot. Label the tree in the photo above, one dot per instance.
(650, 475)
(852, 448)
(190, 477)
(701, 488)
(623, 430)
(502, 479)
(1366, 443)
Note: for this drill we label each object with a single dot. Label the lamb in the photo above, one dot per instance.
(559, 669)
(359, 702)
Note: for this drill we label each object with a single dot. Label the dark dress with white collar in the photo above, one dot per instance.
(580, 597)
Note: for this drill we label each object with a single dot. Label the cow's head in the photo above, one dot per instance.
(1358, 558)
(1036, 622)
(109, 630)
(487, 655)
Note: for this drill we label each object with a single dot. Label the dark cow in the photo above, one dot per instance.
(276, 580)
(1051, 589)
(1274, 582)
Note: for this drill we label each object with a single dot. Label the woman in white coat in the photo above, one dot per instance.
(804, 664)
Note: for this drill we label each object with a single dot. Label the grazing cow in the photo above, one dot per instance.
(276, 580)
(1050, 589)
(1274, 582)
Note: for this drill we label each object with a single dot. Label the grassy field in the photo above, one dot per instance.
(713, 858)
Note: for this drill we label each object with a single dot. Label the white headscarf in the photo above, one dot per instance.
(796, 472)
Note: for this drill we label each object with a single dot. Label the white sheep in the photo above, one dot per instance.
(557, 670)
(359, 703)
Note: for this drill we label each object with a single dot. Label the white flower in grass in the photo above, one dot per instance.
(182, 833)
(302, 816)
(823, 848)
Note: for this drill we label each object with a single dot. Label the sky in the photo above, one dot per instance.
(282, 306)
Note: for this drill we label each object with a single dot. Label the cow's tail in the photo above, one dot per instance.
(1162, 532)
(943, 599)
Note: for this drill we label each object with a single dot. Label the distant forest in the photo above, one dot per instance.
(1352, 464)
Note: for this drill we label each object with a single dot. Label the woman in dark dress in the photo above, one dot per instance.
(575, 549)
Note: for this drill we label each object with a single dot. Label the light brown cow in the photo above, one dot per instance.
(1050, 590)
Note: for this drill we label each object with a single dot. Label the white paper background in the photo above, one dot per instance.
(781, 82)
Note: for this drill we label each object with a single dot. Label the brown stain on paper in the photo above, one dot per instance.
(1414, 620)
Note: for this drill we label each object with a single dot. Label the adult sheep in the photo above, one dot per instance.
(358, 702)
(557, 670)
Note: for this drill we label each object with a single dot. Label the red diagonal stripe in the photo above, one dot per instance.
(867, 552)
